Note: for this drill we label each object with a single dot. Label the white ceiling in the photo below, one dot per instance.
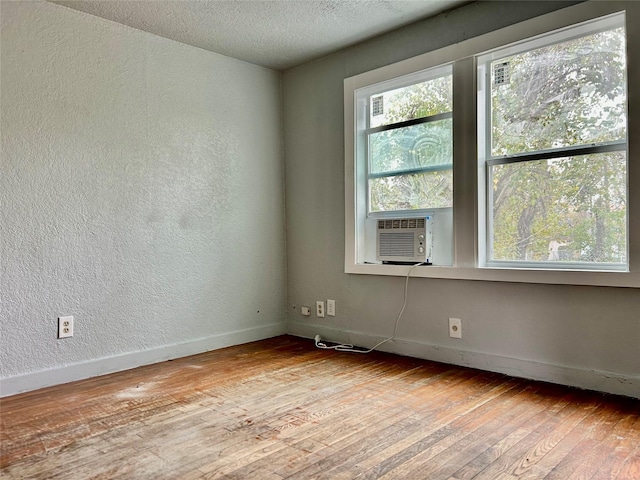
(276, 34)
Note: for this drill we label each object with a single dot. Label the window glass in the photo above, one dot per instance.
(413, 147)
(568, 209)
(565, 94)
(549, 188)
(405, 142)
(411, 192)
(419, 100)
(555, 151)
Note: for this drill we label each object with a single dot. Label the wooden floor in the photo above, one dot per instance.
(280, 409)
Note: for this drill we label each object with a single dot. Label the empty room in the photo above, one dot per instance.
(319, 239)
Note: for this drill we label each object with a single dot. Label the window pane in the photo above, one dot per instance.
(418, 146)
(566, 94)
(566, 209)
(415, 101)
(410, 192)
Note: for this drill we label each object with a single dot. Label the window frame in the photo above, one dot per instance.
(469, 175)
(364, 130)
(485, 139)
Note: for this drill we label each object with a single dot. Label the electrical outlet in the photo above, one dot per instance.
(320, 308)
(65, 327)
(306, 311)
(455, 328)
(331, 308)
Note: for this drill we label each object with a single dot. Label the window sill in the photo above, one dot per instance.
(539, 276)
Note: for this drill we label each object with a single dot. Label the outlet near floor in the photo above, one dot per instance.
(455, 328)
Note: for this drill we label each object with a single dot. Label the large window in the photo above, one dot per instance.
(552, 132)
(518, 144)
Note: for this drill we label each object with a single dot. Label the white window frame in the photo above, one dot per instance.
(486, 159)
(467, 172)
(363, 130)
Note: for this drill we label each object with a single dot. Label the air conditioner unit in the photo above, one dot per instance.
(405, 240)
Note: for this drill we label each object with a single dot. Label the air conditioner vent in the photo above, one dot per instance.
(404, 239)
(397, 244)
(395, 223)
(377, 105)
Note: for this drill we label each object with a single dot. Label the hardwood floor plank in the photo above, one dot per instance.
(630, 469)
(600, 426)
(281, 409)
(614, 445)
(374, 464)
(518, 455)
(346, 443)
(433, 458)
(567, 420)
(533, 400)
(565, 445)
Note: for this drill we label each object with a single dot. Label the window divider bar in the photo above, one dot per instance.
(410, 171)
(615, 146)
(409, 123)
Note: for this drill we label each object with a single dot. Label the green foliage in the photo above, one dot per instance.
(577, 202)
(406, 148)
(421, 100)
(411, 192)
(426, 146)
(570, 208)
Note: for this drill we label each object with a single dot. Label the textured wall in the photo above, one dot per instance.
(141, 188)
(561, 333)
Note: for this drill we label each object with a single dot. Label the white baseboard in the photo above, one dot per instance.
(616, 383)
(79, 371)
(609, 382)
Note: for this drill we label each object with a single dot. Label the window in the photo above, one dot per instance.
(515, 143)
(404, 141)
(552, 134)
(407, 137)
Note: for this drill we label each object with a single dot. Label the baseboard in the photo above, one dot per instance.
(608, 382)
(93, 368)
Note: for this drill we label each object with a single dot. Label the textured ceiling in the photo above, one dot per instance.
(276, 34)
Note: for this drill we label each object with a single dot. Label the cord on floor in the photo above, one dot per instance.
(347, 347)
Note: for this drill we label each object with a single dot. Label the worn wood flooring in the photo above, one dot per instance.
(281, 409)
